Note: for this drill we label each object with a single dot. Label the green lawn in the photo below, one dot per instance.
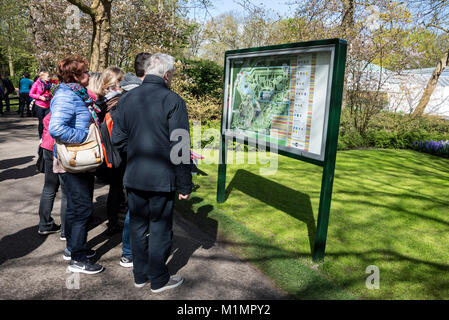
(390, 208)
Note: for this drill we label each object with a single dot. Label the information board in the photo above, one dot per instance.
(280, 96)
(289, 95)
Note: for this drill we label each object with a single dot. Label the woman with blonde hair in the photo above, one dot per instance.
(94, 84)
(41, 92)
(108, 95)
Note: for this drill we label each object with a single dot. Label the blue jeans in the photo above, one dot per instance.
(126, 242)
(79, 192)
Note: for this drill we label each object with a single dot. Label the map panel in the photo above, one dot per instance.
(275, 97)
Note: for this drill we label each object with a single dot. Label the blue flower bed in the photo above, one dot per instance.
(439, 148)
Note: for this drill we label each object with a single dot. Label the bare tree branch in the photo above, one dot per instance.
(83, 7)
(437, 26)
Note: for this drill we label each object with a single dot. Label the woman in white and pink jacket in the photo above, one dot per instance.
(40, 91)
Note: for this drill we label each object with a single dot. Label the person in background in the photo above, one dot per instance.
(151, 178)
(107, 98)
(141, 63)
(40, 91)
(72, 112)
(9, 90)
(24, 94)
(54, 79)
(54, 84)
(51, 186)
(94, 84)
(2, 94)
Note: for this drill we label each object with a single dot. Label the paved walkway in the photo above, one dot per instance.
(31, 266)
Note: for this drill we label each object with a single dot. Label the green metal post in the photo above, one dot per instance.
(331, 151)
(221, 183)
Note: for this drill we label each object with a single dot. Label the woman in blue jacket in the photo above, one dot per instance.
(72, 112)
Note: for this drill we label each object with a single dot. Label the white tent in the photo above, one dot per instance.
(405, 89)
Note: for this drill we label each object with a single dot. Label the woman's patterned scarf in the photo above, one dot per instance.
(82, 93)
(46, 85)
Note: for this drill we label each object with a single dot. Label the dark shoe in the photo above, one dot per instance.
(126, 262)
(55, 228)
(113, 230)
(175, 281)
(85, 267)
(68, 255)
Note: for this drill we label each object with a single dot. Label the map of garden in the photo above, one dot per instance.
(260, 92)
(274, 98)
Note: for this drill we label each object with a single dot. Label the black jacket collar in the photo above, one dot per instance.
(149, 78)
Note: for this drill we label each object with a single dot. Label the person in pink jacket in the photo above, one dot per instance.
(51, 186)
(40, 92)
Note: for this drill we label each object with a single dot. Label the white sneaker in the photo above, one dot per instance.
(175, 281)
(140, 285)
(126, 262)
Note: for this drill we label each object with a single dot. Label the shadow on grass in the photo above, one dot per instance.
(292, 202)
(400, 160)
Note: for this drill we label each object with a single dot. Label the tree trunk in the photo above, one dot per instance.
(173, 12)
(100, 13)
(431, 85)
(9, 53)
(10, 61)
(347, 20)
(160, 6)
(105, 39)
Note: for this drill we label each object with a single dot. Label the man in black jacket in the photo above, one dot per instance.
(9, 89)
(148, 123)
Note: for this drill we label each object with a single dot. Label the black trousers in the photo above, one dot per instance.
(24, 101)
(116, 195)
(51, 186)
(151, 212)
(41, 113)
(79, 189)
(6, 98)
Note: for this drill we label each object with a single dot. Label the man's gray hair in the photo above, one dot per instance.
(160, 63)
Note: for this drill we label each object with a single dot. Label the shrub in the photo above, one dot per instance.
(202, 100)
(207, 78)
(351, 139)
(392, 130)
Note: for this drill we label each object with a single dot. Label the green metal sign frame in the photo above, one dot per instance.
(330, 151)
